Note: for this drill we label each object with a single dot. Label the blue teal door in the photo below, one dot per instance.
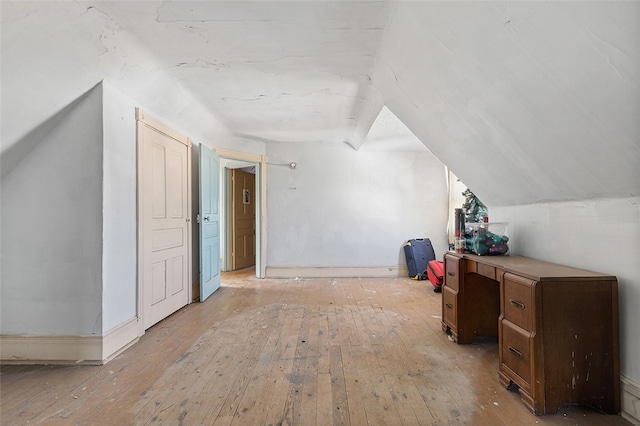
(209, 222)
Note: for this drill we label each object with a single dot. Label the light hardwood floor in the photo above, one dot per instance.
(294, 352)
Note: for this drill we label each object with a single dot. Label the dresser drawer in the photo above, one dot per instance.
(518, 301)
(450, 308)
(515, 349)
(487, 271)
(452, 272)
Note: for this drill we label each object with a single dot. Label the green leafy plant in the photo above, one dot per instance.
(474, 210)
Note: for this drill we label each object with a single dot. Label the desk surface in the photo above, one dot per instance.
(534, 269)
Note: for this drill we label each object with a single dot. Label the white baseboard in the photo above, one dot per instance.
(336, 271)
(120, 339)
(89, 350)
(630, 396)
(51, 349)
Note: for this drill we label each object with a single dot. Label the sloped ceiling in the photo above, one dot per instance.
(525, 101)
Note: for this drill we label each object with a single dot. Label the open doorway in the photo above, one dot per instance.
(255, 244)
(240, 215)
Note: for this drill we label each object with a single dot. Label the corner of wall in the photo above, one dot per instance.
(119, 183)
(120, 339)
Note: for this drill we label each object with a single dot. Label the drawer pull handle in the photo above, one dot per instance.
(517, 304)
(448, 305)
(515, 352)
(451, 274)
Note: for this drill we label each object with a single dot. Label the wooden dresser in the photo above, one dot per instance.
(556, 326)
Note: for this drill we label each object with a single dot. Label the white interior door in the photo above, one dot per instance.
(165, 210)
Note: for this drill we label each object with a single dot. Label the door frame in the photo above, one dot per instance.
(260, 162)
(142, 118)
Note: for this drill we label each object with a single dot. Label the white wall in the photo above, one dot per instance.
(52, 228)
(598, 235)
(119, 251)
(346, 208)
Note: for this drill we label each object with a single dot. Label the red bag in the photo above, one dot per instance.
(435, 273)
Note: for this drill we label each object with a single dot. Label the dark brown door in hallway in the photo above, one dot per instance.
(243, 219)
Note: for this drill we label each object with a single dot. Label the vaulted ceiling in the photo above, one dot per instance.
(524, 101)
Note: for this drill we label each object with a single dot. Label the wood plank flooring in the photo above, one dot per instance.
(286, 352)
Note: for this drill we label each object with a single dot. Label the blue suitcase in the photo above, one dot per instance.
(418, 252)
